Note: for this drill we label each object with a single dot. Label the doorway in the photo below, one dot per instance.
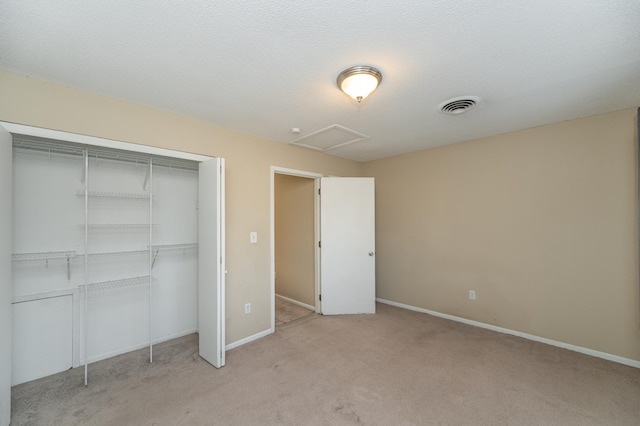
(294, 246)
(347, 270)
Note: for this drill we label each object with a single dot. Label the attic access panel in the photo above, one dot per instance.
(329, 138)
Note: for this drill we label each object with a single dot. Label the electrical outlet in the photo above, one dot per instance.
(247, 308)
(472, 294)
(253, 237)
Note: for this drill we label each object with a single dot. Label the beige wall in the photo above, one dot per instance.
(295, 238)
(249, 159)
(541, 223)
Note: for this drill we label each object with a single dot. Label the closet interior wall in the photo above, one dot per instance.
(105, 253)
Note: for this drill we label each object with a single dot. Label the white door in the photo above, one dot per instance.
(347, 253)
(211, 262)
(6, 284)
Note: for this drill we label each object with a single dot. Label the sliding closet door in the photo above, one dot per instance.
(211, 262)
(6, 247)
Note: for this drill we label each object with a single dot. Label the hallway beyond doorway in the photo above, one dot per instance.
(287, 312)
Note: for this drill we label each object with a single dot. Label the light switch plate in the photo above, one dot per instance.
(253, 237)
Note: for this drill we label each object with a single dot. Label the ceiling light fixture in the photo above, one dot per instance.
(359, 81)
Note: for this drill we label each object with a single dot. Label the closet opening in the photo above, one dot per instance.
(114, 246)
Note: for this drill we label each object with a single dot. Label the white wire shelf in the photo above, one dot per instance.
(156, 250)
(171, 247)
(115, 195)
(110, 255)
(104, 286)
(47, 255)
(113, 226)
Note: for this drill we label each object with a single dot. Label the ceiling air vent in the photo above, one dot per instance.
(458, 105)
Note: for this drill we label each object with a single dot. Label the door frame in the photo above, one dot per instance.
(6, 273)
(98, 141)
(316, 231)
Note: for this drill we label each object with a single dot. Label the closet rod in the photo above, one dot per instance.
(46, 146)
(48, 149)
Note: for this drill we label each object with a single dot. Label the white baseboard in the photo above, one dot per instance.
(110, 354)
(174, 336)
(248, 339)
(295, 302)
(610, 357)
(235, 344)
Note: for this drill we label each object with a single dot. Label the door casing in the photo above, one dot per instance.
(316, 224)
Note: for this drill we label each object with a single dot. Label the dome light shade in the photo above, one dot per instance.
(359, 81)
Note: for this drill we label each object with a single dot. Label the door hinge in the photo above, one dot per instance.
(319, 244)
(318, 191)
(320, 297)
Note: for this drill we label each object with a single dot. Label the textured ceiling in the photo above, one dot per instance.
(265, 67)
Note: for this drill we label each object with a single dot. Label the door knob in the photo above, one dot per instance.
(371, 253)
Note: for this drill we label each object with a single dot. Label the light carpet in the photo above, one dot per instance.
(394, 368)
